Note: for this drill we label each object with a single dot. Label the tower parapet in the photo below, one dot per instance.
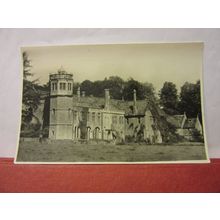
(61, 83)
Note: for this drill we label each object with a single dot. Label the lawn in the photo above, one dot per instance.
(68, 151)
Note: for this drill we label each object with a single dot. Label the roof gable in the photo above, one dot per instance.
(176, 120)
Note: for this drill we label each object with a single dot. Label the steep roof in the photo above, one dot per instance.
(120, 105)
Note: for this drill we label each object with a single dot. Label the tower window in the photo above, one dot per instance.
(62, 86)
(54, 111)
(54, 86)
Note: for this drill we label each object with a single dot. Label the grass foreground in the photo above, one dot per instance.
(68, 151)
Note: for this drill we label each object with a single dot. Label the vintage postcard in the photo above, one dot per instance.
(112, 103)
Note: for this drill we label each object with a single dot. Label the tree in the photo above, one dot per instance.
(169, 98)
(116, 85)
(142, 90)
(148, 89)
(119, 89)
(87, 86)
(96, 88)
(190, 99)
(31, 98)
(26, 66)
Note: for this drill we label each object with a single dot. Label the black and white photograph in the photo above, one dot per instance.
(112, 103)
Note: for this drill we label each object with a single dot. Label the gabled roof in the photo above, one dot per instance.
(128, 106)
(176, 120)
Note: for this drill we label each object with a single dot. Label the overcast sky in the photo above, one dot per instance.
(154, 63)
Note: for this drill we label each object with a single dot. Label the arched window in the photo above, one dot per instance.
(54, 111)
(96, 133)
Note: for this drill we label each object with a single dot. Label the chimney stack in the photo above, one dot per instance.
(83, 94)
(78, 92)
(107, 97)
(135, 102)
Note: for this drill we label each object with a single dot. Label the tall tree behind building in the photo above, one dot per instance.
(143, 90)
(190, 99)
(119, 89)
(169, 98)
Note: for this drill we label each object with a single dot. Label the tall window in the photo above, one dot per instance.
(69, 113)
(88, 116)
(93, 117)
(69, 86)
(75, 115)
(121, 120)
(114, 119)
(99, 118)
(84, 115)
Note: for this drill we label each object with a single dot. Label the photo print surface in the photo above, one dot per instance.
(112, 103)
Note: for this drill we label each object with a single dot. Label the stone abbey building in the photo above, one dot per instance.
(80, 117)
(77, 116)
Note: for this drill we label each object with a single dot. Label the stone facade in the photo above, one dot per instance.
(78, 117)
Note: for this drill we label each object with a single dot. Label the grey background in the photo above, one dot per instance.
(10, 82)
